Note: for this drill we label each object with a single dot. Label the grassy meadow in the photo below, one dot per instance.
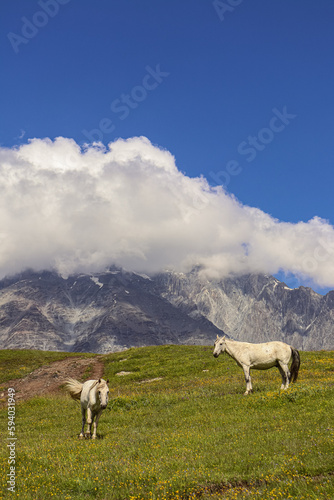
(178, 427)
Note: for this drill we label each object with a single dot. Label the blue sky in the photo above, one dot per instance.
(239, 92)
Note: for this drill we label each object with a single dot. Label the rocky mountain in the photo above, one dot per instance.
(255, 308)
(93, 313)
(115, 310)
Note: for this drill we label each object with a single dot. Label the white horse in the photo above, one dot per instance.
(93, 396)
(261, 357)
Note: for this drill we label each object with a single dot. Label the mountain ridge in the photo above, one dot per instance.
(118, 309)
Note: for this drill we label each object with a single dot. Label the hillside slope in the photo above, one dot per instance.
(176, 426)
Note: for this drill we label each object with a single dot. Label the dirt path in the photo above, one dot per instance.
(49, 378)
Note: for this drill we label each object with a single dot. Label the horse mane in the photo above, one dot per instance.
(97, 384)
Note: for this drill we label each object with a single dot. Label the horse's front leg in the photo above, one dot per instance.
(83, 413)
(248, 379)
(96, 421)
(89, 421)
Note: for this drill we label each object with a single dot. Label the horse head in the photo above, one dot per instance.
(103, 393)
(220, 346)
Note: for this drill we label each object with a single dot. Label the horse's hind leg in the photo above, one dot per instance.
(248, 379)
(83, 413)
(285, 374)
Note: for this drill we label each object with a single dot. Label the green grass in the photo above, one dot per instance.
(18, 363)
(192, 434)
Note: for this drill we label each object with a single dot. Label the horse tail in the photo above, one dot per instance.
(294, 365)
(74, 387)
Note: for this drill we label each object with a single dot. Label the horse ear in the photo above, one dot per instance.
(224, 338)
(217, 336)
(99, 381)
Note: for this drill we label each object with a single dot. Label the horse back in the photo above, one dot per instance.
(264, 355)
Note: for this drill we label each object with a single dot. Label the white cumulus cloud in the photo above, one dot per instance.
(75, 209)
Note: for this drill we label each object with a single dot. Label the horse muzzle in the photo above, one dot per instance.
(215, 354)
